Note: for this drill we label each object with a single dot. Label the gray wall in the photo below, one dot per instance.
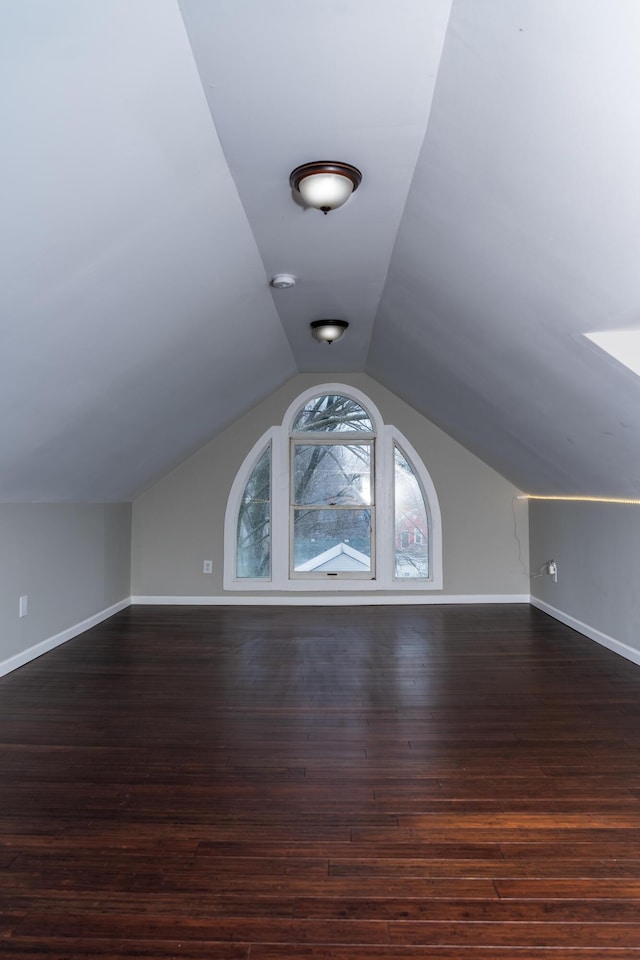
(179, 521)
(71, 560)
(597, 549)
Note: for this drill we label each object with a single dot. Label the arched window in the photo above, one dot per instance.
(253, 538)
(333, 499)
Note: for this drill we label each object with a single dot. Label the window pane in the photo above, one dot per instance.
(329, 413)
(332, 474)
(253, 555)
(332, 541)
(411, 522)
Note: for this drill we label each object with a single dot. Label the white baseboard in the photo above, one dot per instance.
(333, 600)
(623, 649)
(25, 656)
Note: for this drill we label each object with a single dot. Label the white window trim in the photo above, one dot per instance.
(279, 437)
(331, 439)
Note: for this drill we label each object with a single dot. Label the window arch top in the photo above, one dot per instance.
(332, 413)
(379, 529)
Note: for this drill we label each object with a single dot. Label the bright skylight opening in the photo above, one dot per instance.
(622, 345)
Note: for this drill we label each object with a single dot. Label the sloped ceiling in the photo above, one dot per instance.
(145, 204)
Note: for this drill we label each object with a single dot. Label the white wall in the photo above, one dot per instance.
(597, 549)
(71, 560)
(179, 521)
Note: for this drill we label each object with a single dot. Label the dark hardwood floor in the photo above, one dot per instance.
(375, 783)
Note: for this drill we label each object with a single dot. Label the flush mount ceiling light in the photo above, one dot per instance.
(283, 281)
(328, 330)
(324, 184)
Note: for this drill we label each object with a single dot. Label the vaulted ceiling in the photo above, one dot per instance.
(146, 150)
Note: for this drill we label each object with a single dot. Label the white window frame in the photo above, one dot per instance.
(383, 544)
(333, 439)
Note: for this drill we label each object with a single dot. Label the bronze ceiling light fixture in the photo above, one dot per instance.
(324, 184)
(326, 331)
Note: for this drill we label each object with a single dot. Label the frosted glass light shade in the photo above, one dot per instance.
(328, 190)
(325, 185)
(328, 330)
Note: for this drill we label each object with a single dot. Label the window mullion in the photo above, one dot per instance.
(280, 500)
(384, 486)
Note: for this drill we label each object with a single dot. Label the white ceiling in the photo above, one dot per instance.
(145, 204)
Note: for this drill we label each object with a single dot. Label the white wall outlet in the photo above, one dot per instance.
(552, 570)
(207, 566)
(23, 606)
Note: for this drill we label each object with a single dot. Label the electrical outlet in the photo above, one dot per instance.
(207, 566)
(23, 606)
(552, 570)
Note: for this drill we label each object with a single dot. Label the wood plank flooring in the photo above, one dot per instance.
(375, 783)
